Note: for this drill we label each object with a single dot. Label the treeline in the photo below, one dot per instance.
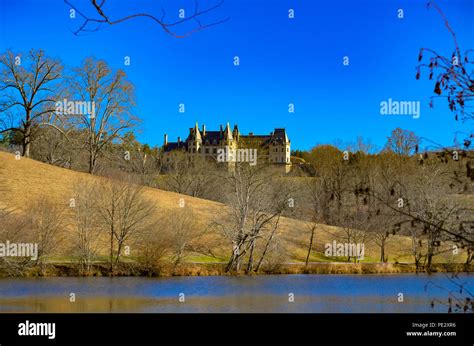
(372, 196)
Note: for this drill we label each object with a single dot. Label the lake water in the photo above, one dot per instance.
(271, 293)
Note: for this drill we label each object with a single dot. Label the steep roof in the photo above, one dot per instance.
(228, 133)
(212, 135)
(280, 135)
(175, 145)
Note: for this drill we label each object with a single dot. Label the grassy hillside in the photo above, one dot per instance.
(26, 179)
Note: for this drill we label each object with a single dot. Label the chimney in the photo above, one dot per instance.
(179, 139)
(166, 139)
(203, 130)
(250, 133)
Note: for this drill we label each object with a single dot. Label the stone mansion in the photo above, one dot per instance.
(273, 148)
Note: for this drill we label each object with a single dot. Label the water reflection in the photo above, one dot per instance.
(312, 293)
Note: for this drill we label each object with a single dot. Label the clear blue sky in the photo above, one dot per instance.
(282, 61)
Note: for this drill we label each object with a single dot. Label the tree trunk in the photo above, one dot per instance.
(27, 140)
(267, 245)
(430, 252)
(229, 264)
(250, 263)
(382, 252)
(238, 263)
(469, 255)
(232, 260)
(119, 249)
(429, 258)
(111, 251)
(310, 247)
(92, 163)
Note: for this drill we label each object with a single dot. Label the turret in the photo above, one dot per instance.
(236, 133)
(197, 134)
(228, 133)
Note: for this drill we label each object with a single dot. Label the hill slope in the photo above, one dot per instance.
(26, 179)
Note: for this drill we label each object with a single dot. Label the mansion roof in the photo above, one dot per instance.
(210, 138)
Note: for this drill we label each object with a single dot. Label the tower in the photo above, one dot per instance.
(194, 140)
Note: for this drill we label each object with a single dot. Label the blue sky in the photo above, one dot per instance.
(282, 61)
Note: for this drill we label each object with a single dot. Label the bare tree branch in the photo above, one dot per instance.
(168, 27)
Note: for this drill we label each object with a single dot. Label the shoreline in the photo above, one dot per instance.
(214, 269)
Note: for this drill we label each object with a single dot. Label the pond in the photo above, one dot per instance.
(399, 293)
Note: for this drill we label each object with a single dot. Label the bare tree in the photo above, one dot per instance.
(111, 96)
(124, 212)
(312, 230)
(451, 75)
(14, 227)
(153, 249)
(103, 17)
(460, 297)
(48, 222)
(85, 223)
(431, 205)
(138, 158)
(254, 208)
(332, 168)
(182, 227)
(29, 90)
(328, 191)
(278, 199)
(268, 244)
(402, 142)
(421, 197)
(53, 147)
(370, 171)
(353, 230)
(192, 175)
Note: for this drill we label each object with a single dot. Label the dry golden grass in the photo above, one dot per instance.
(27, 179)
